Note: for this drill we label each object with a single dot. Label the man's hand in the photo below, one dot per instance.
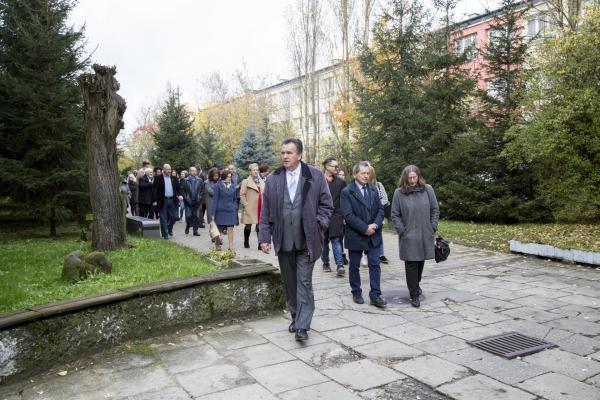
(154, 204)
(180, 198)
(265, 247)
(371, 229)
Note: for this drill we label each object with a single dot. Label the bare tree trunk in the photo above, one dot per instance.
(104, 110)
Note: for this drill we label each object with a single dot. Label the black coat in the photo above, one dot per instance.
(145, 191)
(358, 214)
(186, 190)
(158, 190)
(336, 223)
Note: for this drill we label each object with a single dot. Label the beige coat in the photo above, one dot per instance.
(249, 200)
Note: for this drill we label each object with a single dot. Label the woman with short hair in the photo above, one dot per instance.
(415, 215)
(251, 192)
(224, 207)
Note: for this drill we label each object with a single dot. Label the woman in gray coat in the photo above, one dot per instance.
(415, 214)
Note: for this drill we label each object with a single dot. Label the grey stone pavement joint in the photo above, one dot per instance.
(361, 352)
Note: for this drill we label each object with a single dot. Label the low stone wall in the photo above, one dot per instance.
(544, 250)
(37, 338)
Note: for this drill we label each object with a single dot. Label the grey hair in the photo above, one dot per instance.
(361, 164)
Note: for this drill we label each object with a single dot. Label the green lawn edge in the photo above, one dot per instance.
(30, 268)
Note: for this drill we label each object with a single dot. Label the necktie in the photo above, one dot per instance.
(292, 185)
(365, 191)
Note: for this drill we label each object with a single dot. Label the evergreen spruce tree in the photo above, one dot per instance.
(210, 147)
(265, 152)
(173, 139)
(42, 142)
(248, 151)
(502, 193)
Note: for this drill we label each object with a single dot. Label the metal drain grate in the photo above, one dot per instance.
(511, 345)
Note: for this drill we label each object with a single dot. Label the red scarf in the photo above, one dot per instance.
(259, 202)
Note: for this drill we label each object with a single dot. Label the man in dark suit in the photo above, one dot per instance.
(295, 212)
(363, 213)
(145, 183)
(166, 194)
(192, 189)
(335, 231)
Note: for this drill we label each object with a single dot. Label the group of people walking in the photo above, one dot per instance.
(303, 208)
(298, 211)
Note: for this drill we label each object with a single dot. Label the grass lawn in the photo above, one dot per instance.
(31, 266)
(496, 237)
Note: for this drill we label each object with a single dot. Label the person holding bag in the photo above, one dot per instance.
(251, 193)
(415, 215)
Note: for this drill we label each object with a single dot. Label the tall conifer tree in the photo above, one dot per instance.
(42, 143)
(173, 139)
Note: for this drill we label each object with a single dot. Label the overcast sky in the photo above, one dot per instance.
(157, 42)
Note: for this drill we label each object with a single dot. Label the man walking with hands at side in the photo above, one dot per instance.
(295, 212)
(363, 213)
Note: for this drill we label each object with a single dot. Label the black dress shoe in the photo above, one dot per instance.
(358, 299)
(378, 302)
(419, 292)
(202, 226)
(292, 328)
(196, 234)
(326, 268)
(301, 335)
(187, 230)
(415, 302)
(341, 271)
(384, 260)
(170, 233)
(344, 259)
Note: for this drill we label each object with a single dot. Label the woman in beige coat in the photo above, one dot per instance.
(251, 193)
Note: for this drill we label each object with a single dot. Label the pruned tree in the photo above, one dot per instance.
(104, 110)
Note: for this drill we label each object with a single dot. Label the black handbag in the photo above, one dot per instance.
(442, 249)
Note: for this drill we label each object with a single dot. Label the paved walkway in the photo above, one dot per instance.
(361, 352)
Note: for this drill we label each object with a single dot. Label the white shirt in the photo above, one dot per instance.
(292, 178)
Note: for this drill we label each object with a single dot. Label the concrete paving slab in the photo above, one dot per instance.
(324, 354)
(286, 340)
(525, 327)
(353, 336)
(458, 326)
(328, 323)
(388, 350)
(213, 379)
(171, 393)
(479, 387)
(581, 300)
(559, 387)
(404, 389)
(576, 325)
(578, 344)
(372, 321)
(476, 333)
(532, 314)
(493, 305)
(233, 337)
(594, 380)
(268, 325)
(287, 376)
(186, 359)
(566, 363)
(362, 375)
(510, 372)
(410, 333)
(439, 321)
(324, 391)
(248, 392)
(260, 355)
(431, 370)
(442, 344)
(540, 303)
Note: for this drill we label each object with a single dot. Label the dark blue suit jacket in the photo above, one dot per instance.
(359, 214)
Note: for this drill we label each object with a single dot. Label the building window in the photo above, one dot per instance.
(285, 98)
(297, 96)
(467, 45)
(540, 26)
(328, 90)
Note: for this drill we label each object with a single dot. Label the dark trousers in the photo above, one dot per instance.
(296, 274)
(414, 271)
(374, 271)
(168, 215)
(192, 216)
(145, 210)
(202, 211)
